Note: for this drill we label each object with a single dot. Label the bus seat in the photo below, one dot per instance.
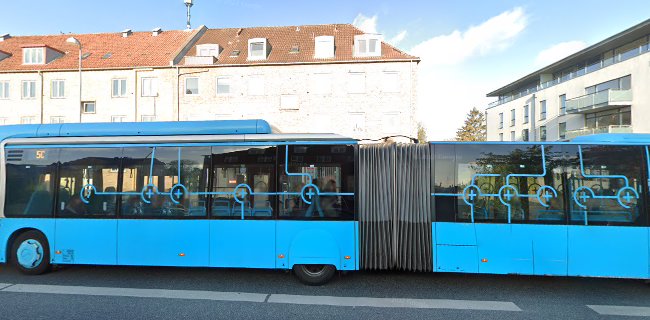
(39, 203)
(197, 211)
(221, 207)
(264, 210)
(237, 207)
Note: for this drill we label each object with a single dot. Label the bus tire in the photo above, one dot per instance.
(314, 274)
(30, 253)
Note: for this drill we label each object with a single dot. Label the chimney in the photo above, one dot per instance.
(5, 37)
(126, 33)
(156, 31)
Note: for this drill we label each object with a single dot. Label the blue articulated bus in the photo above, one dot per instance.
(235, 194)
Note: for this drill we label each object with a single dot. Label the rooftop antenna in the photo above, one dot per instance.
(188, 4)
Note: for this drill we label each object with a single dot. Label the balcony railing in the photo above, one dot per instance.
(600, 99)
(609, 129)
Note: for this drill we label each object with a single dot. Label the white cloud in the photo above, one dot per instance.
(398, 38)
(558, 51)
(495, 34)
(365, 23)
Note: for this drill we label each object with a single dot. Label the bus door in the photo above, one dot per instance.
(607, 236)
(163, 207)
(242, 190)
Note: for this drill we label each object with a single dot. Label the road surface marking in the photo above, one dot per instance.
(4, 285)
(621, 310)
(395, 302)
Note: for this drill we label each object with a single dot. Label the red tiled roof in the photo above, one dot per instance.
(282, 39)
(139, 49)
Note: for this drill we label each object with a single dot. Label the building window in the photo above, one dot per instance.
(526, 112)
(390, 82)
(562, 130)
(3, 121)
(58, 89)
(542, 133)
(367, 45)
(324, 47)
(118, 118)
(257, 49)
(289, 102)
(223, 85)
(88, 107)
(148, 118)
(208, 50)
(542, 110)
(513, 113)
(26, 120)
(357, 82)
(500, 136)
(524, 135)
(563, 104)
(256, 85)
(624, 83)
(149, 87)
(119, 88)
(33, 55)
(604, 119)
(57, 119)
(192, 86)
(4, 89)
(501, 121)
(29, 89)
(512, 136)
(321, 83)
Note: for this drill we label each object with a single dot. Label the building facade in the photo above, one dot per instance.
(322, 78)
(601, 89)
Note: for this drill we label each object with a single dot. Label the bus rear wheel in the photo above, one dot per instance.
(30, 253)
(314, 274)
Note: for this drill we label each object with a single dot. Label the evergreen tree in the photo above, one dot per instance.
(422, 133)
(474, 128)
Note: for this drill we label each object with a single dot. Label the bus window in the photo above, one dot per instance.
(154, 186)
(317, 182)
(606, 183)
(444, 183)
(97, 170)
(30, 177)
(243, 182)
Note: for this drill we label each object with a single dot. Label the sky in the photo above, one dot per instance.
(468, 48)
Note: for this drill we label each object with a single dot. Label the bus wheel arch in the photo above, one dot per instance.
(29, 251)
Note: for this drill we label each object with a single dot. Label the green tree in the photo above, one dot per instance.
(422, 133)
(474, 128)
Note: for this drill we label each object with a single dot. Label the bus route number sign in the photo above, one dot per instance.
(40, 154)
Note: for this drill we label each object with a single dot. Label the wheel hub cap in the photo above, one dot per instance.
(30, 254)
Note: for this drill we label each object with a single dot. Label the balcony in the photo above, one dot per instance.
(599, 100)
(609, 129)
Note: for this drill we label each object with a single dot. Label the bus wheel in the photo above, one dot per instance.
(31, 253)
(314, 274)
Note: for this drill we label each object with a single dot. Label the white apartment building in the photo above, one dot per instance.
(322, 78)
(601, 89)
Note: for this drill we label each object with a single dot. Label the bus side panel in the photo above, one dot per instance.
(242, 243)
(9, 225)
(150, 242)
(545, 246)
(86, 241)
(455, 247)
(494, 248)
(608, 251)
(316, 242)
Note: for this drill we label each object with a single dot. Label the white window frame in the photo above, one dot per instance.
(34, 55)
(27, 120)
(57, 119)
(31, 86)
(324, 47)
(362, 45)
(84, 108)
(116, 117)
(59, 91)
(395, 87)
(121, 88)
(149, 87)
(208, 50)
(513, 136)
(228, 82)
(198, 86)
(4, 89)
(354, 89)
(256, 85)
(265, 47)
(3, 121)
(147, 118)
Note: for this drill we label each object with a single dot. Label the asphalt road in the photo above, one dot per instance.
(90, 292)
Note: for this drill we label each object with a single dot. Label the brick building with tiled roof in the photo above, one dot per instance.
(317, 78)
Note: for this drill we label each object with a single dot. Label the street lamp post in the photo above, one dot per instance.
(76, 41)
(188, 4)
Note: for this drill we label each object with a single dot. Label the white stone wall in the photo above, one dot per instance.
(385, 107)
(639, 69)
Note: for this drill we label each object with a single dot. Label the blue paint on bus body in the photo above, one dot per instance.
(85, 241)
(242, 243)
(9, 226)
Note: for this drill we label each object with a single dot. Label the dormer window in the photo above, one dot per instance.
(208, 50)
(324, 47)
(34, 55)
(257, 49)
(367, 45)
